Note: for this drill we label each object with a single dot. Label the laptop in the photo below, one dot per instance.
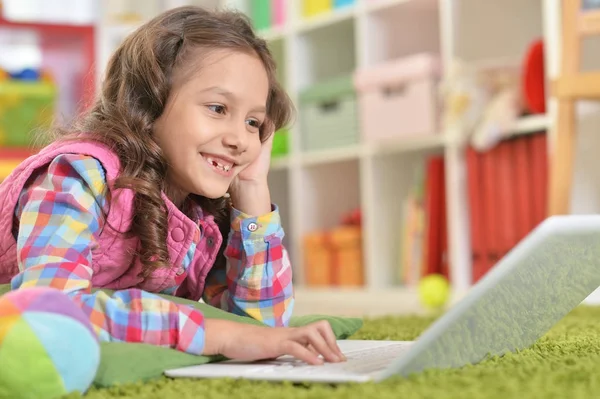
(549, 273)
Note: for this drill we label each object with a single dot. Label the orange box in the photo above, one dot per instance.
(334, 258)
(345, 243)
(317, 260)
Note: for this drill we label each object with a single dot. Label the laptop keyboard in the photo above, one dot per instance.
(358, 362)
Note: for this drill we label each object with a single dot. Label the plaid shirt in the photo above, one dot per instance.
(59, 219)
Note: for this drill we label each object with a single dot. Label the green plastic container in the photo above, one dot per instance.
(328, 115)
(25, 106)
(260, 11)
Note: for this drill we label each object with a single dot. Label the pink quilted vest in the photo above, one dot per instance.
(113, 265)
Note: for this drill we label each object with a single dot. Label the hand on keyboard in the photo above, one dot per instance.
(248, 342)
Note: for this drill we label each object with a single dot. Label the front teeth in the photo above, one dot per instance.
(216, 164)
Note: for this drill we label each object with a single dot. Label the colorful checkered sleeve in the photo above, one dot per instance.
(257, 278)
(59, 214)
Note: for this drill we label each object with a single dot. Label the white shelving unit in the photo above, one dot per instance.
(378, 178)
(314, 189)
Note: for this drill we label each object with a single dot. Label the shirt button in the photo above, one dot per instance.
(180, 271)
(177, 234)
(210, 241)
(252, 226)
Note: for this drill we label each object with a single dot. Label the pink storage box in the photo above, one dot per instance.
(399, 98)
(278, 12)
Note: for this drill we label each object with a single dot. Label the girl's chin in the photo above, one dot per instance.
(211, 193)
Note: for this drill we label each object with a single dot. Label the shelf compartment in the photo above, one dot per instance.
(331, 244)
(330, 190)
(503, 37)
(393, 181)
(326, 53)
(63, 52)
(401, 29)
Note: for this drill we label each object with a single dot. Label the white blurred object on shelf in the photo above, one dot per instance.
(20, 50)
(80, 12)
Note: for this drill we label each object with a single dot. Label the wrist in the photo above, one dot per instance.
(251, 197)
(226, 338)
(216, 334)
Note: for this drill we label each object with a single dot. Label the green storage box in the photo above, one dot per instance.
(260, 11)
(25, 106)
(280, 143)
(328, 115)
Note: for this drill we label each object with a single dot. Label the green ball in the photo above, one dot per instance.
(434, 290)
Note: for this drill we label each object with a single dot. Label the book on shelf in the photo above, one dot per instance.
(507, 196)
(423, 233)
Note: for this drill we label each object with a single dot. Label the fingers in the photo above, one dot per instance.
(330, 339)
(299, 351)
(312, 349)
(316, 339)
(320, 339)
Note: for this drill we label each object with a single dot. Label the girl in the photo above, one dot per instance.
(134, 198)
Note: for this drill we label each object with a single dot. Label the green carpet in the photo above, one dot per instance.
(564, 362)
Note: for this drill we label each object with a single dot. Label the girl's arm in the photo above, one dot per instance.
(59, 216)
(60, 213)
(257, 278)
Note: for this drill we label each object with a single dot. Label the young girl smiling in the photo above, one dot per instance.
(162, 188)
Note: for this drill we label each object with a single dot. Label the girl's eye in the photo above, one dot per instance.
(219, 109)
(254, 123)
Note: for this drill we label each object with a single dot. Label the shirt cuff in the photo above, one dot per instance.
(256, 227)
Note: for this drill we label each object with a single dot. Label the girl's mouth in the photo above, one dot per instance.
(219, 165)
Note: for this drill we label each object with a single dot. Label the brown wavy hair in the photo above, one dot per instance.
(133, 95)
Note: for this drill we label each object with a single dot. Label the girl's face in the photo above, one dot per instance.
(209, 130)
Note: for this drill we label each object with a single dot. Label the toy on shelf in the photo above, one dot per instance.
(533, 79)
(48, 347)
(312, 8)
(434, 291)
(484, 103)
(335, 257)
(27, 103)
